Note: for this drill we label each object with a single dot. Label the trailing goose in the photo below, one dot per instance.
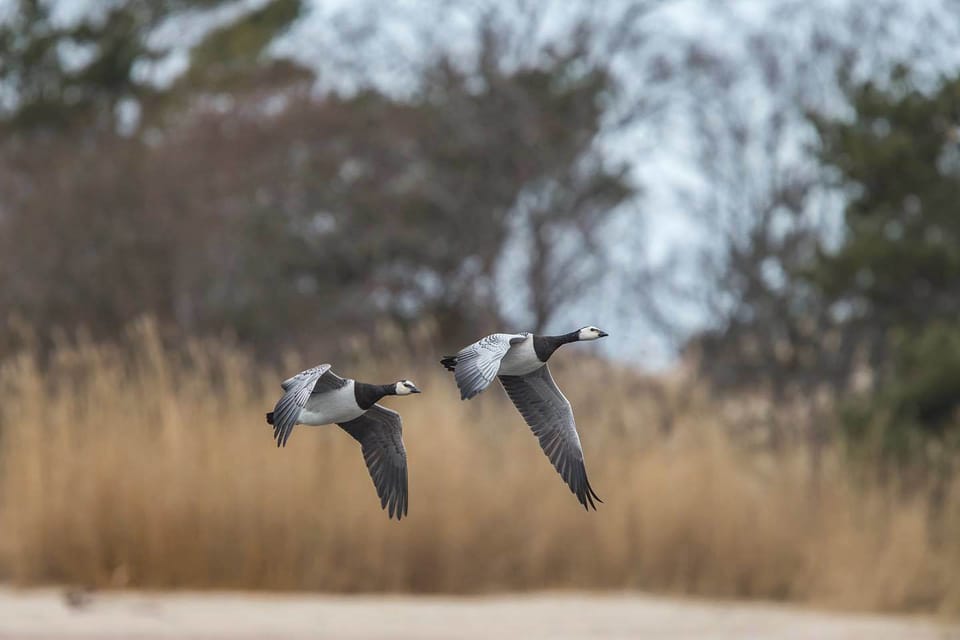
(318, 396)
(519, 360)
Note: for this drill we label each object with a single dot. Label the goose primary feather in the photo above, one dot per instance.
(318, 396)
(519, 361)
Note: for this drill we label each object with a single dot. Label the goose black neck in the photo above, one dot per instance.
(368, 394)
(544, 346)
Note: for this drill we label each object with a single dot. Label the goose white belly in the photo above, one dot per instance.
(520, 360)
(330, 407)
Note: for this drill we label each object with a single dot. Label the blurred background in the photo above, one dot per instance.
(758, 200)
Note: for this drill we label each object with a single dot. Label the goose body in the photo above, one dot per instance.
(317, 396)
(519, 361)
(337, 405)
(521, 358)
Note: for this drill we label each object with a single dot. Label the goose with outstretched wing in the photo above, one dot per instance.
(318, 396)
(519, 361)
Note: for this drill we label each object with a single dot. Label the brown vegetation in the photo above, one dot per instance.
(144, 466)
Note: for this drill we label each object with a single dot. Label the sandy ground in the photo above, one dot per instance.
(148, 616)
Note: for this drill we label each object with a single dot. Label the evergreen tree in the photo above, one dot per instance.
(896, 275)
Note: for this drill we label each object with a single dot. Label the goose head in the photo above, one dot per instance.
(404, 388)
(591, 333)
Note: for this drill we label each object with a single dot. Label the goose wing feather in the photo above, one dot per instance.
(550, 417)
(297, 390)
(477, 364)
(329, 381)
(380, 434)
(313, 372)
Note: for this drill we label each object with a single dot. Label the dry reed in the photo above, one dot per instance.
(137, 466)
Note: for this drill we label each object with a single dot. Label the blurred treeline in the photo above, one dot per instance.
(287, 200)
(244, 195)
(838, 283)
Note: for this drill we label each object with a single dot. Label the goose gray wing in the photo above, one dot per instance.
(313, 372)
(329, 381)
(550, 417)
(297, 390)
(475, 366)
(380, 434)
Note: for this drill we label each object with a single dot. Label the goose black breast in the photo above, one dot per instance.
(544, 346)
(367, 395)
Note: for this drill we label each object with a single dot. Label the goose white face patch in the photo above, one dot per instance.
(590, 333)
(406, 387)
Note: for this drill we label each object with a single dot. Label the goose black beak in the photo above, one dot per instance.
(603, 334)
(414, 390)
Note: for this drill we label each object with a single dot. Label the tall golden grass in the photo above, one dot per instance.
(135, 465)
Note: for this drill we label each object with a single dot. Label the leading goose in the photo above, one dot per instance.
(519, 360)
(318, 396)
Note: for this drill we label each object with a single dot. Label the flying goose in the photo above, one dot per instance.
(519, 360)
(318, 396)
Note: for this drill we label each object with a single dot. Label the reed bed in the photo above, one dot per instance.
(135, 465)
